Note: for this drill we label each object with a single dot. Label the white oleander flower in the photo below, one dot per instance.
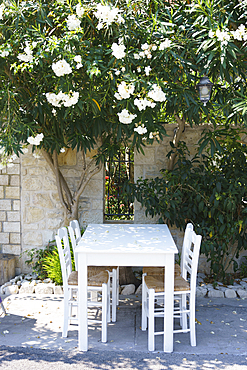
(142, 54)
(142, 104)
(125, 90)
(151, 135)
(118, 96)
(211, 34)
(138, 69)
(4, 53)
(54, 99)
(126, 117)
(165, 44)
(79, 10)
(145, 46)
(147, 70)
(157, 94)
(62, 150)
(118, 50)
(117, 72)
(54, 112)
(73, 22)
(107, 15)
(77, 58)
(61, 68)
(223, 36)
(240, 33)
(35, 140)
(154, 47)
(79, 65)
(137, 56)
(28, 56)
(71, 98)
(36, 155)
(141, 130)
(1, 11)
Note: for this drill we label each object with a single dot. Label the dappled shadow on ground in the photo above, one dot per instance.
(18, 357)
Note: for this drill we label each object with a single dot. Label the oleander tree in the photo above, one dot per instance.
(82, 75)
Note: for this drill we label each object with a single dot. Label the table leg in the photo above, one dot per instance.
(169, 297)
(82, 303)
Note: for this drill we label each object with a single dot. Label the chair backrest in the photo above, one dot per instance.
(63, 247)
(75, 235)
(189, 227)
(190, 257)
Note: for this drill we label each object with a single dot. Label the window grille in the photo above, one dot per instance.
(117, 171)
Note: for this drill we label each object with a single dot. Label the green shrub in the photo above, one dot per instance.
(210, 192)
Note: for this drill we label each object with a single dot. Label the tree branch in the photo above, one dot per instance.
(176, 138)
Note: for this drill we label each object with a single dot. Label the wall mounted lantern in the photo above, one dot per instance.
(204, 87)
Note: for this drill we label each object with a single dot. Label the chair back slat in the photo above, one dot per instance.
(63, 247)
(75, 235)
(191, 251)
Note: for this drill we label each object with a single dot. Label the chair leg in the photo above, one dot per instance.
(104, 313)
(66, 314)
(183, 307)
(108, 301)
(144, 306)
(117, 286)
(192, 321)
(151, 320)
(114, 295)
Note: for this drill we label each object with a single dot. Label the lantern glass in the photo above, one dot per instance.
(204, 87)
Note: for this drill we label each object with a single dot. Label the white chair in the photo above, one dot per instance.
(98, 283)
(113, 271)
(184, 292)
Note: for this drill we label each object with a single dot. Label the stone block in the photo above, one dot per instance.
(33, 238)
(14, 169)
(148, 158)
(139, 290)
(15, 238)
(1, 192)
(3, 216)
(13, 216)
(68, 158)
(49, 183)
(13, 249)
(128, 289)
(5, 204)
(12, 192)
(32, 183)
(58, 289)
(44, 289)
(16, 205)
(37, 171)
(15, 180)
(7, 267)
(4, 238)
(4, 180)
(9, 227)
(34, 214)
(54, 223)
(201, 291)
(230, 293)
(213, 293)
(27, 288)
(42, 200)
(12, 289)
(242, 293)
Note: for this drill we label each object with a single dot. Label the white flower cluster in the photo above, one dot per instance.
(126, 117)
(142, 104)
(118, 50)
(157, 94)
(240, 33)
(4, 53)
(61, 68)
(61, 98)
(1, 11)
(165, 44)
(77, 59)
(107, 15)
(79, 10)
(141, 129)
(223, 36)
(73, 22)
(124, 91)
(27, 56)
(35, 140)
(146, 51)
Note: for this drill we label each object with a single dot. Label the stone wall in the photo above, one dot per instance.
(10, 210)
(30, 210)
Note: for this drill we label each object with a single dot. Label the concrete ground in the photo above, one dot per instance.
(31, 338)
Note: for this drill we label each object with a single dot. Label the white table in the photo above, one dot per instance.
(126, 245)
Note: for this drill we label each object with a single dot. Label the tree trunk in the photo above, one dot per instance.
(176, 138)
(127, 276)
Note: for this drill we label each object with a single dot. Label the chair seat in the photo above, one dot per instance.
(156, 282)
(97, 269)
(151, 270)
(93, 280)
